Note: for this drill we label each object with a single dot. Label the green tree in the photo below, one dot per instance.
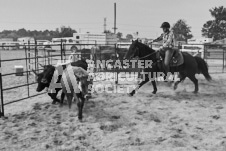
(107, 31)
(216, 28)
(129, 36)
(66, 32)
(22, 32)
(39, 35)
(181, 30)
(119, 35)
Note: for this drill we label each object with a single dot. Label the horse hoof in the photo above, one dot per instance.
(54, 102)
(129, 94)
(154, 92)
(80, 119)
(195, 92)
(88, 97)
(175, 87)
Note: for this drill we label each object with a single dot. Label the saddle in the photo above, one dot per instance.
(176, 60)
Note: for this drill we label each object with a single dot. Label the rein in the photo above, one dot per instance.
(148, 55)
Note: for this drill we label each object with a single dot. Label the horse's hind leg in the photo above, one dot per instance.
(195, 81)
(154, 86)
(181, 78)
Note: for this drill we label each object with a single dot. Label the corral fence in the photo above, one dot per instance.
(17, 81)
(18, 85)
(213, 54)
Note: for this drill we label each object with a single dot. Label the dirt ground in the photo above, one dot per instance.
(170, 120)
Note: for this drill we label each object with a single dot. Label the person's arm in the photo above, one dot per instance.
(158, 39)
(169, 40)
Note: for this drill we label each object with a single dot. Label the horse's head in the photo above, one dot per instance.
(140, 51)
(133, 51)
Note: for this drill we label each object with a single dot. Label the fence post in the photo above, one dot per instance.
(204, 52)
(29, 56)
(179, 46)
(36, 57)
(95, 56)
(49, 59)
(61, 50)
(116, 81)
(28, 91)
(223, 58)
(1, 87)
(44, 50)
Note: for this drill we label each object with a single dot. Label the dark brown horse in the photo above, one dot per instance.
(190, 67)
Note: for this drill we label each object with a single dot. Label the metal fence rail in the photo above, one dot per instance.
(34, 58)
(32, 62)
(215, 56)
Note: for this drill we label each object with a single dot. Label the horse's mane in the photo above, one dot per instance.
(145, 46)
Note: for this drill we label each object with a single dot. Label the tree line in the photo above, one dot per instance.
(38, 35)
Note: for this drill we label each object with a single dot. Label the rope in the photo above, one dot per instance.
(147, 55)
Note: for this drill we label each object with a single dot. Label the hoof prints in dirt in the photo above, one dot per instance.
(111, 128)
(168, 120)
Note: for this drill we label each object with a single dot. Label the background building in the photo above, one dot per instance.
(200, 41)
(91, 38)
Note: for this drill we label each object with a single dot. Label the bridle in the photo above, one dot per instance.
(139, 58)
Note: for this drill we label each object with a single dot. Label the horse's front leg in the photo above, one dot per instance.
(139, 85)
(154, 86)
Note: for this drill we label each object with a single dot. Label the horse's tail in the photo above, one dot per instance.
(203, 68)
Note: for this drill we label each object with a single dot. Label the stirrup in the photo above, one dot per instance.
(174, 60)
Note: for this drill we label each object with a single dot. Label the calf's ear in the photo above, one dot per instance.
(34, 72)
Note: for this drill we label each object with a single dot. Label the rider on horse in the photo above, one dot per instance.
(168, 44)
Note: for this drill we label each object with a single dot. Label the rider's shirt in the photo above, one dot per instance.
(168, 39)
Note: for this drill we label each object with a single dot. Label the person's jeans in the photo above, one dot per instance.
(168, 56)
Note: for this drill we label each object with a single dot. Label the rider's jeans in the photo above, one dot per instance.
(168, 56)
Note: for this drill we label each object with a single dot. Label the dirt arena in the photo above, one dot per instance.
(170, 120)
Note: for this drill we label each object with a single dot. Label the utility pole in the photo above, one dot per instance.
(114, 18)
(105, 25)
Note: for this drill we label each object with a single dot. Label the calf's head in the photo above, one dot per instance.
(44, 78)
(86, 83)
